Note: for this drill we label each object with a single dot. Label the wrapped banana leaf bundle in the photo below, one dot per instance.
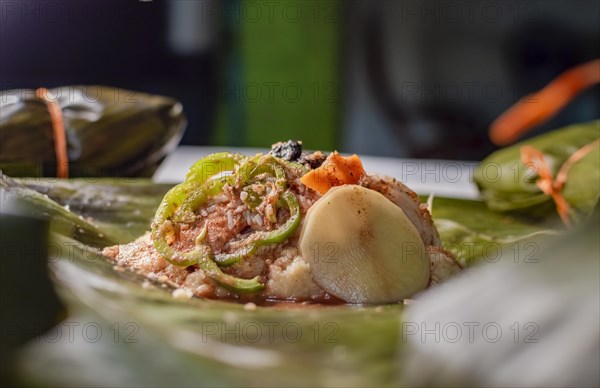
(554, 173)
(81, 131)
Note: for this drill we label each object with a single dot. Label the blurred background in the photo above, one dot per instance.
(406, 78)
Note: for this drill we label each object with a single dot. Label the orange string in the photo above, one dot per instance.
(58, 132)
(553, 187)
(540, 106)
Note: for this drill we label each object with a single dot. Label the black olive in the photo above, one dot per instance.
(289, 150)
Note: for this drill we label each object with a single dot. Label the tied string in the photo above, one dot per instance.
(553, 187)
(58, 131)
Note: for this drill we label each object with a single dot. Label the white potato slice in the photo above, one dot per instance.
(362, 248)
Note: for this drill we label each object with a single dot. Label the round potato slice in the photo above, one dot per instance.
(362, 248)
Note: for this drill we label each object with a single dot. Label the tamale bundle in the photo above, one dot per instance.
(91, 131)
(558, 172)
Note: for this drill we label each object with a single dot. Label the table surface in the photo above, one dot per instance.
(448, 178)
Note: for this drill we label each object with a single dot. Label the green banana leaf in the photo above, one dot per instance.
(150, 338)
(109, 131)
(475, 234)
(508, 185)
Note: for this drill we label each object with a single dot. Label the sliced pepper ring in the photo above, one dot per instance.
(171, 205)
(182, 201)
(267, 237)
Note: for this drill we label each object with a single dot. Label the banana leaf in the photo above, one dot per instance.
(149, 338)
(474, 234)
(109, 131)
(508, 185)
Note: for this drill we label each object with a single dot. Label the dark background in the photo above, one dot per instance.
(383, 47)
(116, 43)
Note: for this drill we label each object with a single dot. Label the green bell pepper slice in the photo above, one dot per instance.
(267, 237)
(182, 201)
(212, 165)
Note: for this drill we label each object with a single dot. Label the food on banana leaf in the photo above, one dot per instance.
(248, 228)
(108, 131)
(550, 173)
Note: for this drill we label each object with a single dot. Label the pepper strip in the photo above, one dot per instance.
(185, 198)
(228, 281)
(203, 257)
(246, 173)
(213, 164)
(280, 234)
(170, 207)
(265, 165)
(250, 169)
(197, 198)
(200, 254)
(267, 237)
(171, 201)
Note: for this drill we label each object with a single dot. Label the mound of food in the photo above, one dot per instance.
(290, 225)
